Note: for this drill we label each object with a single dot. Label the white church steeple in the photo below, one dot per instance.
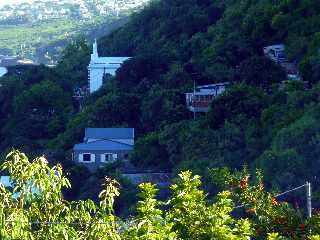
(94, 54)
(100, 66)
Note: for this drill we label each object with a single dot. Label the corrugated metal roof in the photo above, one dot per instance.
(109, 133)
(103, 145)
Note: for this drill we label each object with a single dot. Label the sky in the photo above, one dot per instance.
(4, 2)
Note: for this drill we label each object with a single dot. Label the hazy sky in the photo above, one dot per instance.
(4, 2)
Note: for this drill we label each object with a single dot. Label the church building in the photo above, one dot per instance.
(100, 66)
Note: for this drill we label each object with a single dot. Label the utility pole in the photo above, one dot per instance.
(309, 199)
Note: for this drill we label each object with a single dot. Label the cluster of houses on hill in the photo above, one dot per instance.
(101, 146)
(105, 145)
(197, 101)
(200, 99)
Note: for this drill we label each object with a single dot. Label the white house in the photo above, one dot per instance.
(200, 99)
(100, 66)
(275, 53)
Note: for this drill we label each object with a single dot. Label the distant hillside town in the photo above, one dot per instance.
(80, 9)
(41, 30)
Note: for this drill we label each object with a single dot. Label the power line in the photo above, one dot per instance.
(56, 223)
(309, 197)
(291, 190)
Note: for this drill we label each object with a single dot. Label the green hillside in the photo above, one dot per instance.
(255, 123)
(44, 41)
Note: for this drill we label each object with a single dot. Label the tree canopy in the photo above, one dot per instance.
(260, 121)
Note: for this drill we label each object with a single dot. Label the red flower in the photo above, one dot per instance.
(274, 201)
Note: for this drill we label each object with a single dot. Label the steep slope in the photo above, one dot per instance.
(173, 44)
(178, 42)
(188, 31)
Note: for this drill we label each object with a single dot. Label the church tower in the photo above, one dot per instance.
(100, 66)
(94, 54)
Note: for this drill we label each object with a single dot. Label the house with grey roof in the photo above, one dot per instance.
(104, 145)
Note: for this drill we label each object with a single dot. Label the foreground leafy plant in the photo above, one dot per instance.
(34, 208)
(270, 218)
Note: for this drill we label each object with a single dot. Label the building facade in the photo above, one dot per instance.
(200, 99)
(104, 145)
(277, 54)
(101, 66)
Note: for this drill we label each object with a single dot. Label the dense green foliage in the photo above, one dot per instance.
(258, 121)
(34, 208)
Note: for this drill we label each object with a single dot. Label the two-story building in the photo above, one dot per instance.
(104, 145)
(200, 99)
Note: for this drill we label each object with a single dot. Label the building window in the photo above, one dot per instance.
(86, 157)
(109, 157)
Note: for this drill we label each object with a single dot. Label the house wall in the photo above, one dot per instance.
(92, 166)
(275, 52)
